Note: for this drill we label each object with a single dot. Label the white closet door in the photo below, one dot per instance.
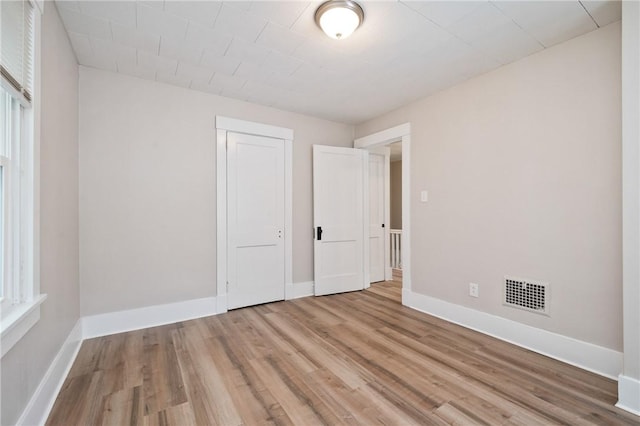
(256, 206)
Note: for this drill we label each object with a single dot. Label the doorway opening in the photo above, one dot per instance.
(397, 142)
(395, 212)
(385, 242)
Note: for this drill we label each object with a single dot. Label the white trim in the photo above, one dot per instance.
(39, 5)
(224, 125)
(288, 212)
(221, 304)
(384, 137)
(252, 128)
(366, 223)
(398, 133)
(388, 273)
(33, 259)
(406, 213)
(35, 165)
(41, 403)
(597, 359)
(21, 317)
(19, 321)
(298, 290)
(629, 394)
(221, 221)
(148, 316)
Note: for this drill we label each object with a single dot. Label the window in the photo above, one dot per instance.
(19, 290)
(11, 118)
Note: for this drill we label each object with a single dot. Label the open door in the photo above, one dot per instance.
(379, 161)
(339, 215)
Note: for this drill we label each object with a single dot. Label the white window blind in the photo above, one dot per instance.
(16, 45)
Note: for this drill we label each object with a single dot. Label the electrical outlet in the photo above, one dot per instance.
(474, 290)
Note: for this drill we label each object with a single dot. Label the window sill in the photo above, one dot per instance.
(19, 322)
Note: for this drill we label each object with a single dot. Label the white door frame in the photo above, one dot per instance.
(224, 125)
(401, 133)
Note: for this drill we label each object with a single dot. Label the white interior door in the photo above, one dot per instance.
(340, 258)
(377, 225)
(256, 219)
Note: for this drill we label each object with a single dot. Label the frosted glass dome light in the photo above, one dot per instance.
(339, 19)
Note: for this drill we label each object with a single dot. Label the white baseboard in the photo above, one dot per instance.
(599, 360)
(629, 394)
(221, 303)
(41, 403)
(149, 316)
(298, 290)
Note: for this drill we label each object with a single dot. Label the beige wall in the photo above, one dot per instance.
(23, 367)
(396, 194)
(147, 189)
(522, 166)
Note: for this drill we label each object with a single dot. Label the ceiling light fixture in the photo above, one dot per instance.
(339, 18)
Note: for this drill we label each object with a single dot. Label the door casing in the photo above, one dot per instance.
(400, 133)
(223, 126)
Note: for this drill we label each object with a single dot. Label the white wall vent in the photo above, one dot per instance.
(526, 294)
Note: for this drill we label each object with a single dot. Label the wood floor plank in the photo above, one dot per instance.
(354, 404)
(483, 409)
(162, 385)
(295, 403)
(82, 401)
(123, 407)
(180, 414)
(251, 398)
(316, 349)
(204, 381)
(281, 343)
(358, 358)
(454, 414)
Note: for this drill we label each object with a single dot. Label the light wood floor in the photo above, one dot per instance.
(356, 358)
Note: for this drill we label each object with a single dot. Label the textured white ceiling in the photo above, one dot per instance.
(272, 53)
